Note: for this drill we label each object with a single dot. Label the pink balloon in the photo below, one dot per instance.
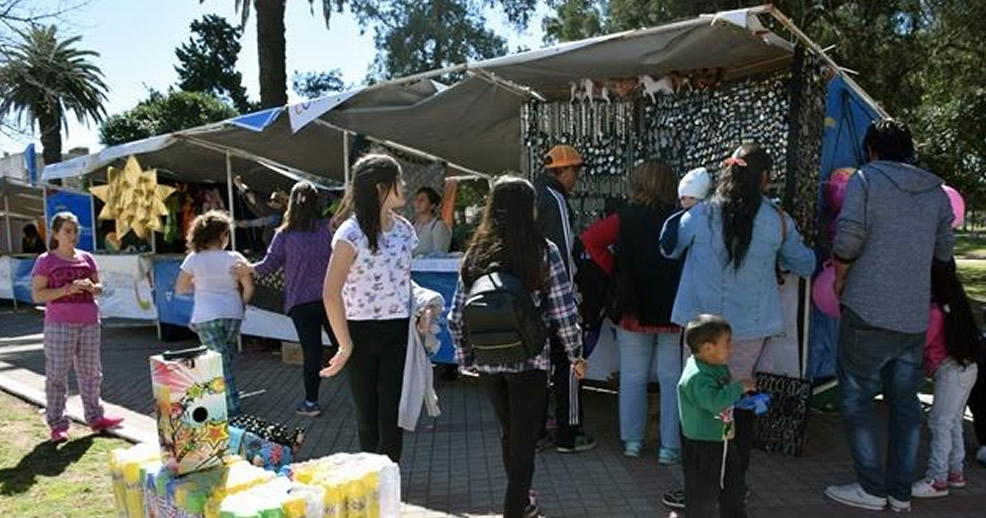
(823, 292)
(835, 188)
(958, 205)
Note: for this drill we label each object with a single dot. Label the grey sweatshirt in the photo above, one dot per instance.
(895, 219)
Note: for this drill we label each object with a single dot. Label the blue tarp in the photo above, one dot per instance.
(172, 308)
(256, 121)
(847, 115)
(20, 270)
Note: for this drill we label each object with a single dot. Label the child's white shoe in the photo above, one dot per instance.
(927, 488)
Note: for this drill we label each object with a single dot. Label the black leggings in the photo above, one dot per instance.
(376, 376)
(519, 401)
(309, 321)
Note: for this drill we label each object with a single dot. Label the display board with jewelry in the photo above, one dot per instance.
(687, 119)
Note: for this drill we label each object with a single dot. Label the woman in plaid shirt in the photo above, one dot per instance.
(509, 238)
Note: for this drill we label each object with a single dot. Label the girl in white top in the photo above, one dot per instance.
(367, 295)
(209, 272)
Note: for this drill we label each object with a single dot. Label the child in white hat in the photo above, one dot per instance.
(694, 187)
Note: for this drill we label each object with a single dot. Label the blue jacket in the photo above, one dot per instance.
(748, 298)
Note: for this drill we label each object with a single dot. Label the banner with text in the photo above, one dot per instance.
(126, 287)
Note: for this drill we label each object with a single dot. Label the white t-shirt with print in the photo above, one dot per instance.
(379, 284)
(217, 293)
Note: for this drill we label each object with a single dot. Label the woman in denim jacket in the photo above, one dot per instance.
(735, 243)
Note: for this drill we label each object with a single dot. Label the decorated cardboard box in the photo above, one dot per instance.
(190, 403)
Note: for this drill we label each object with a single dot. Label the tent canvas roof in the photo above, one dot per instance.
(22, 199)
(474, 124)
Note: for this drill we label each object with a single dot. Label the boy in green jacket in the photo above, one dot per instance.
(705, 402)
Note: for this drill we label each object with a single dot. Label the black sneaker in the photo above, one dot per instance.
(308, 409)
(582, 442)
(674, 499)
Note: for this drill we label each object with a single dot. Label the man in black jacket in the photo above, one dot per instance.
(561, 173)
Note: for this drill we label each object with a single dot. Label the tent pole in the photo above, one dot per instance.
(6, 222)
(799, 34)
(10, 241)
(229, 194)
(232, 216)
(345, 158)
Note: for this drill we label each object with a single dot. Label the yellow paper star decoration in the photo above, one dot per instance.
(134, 199)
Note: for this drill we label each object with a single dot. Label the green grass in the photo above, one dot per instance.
(973, 276)
(967, 246)
(38, 479)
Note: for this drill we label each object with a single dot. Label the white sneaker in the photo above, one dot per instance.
(898, 506)
(854, 495)
(928, 488)
(981, 455)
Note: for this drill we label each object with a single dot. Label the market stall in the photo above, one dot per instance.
(22, 207)
(200, 164)
(688, 91)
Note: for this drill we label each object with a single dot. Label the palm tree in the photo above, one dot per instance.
(270, 44)
(42, 79)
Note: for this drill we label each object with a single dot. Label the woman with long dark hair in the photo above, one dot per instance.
(367, 296)
(508, 240)
(645, 286)
(302, 246)
(735, 242)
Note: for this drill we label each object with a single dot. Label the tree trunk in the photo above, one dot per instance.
(271, 53)
(49, 121)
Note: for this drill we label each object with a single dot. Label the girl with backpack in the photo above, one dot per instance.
(367, 296)
(645, 284)
(510, 261)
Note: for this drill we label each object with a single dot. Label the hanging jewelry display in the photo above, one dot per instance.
(689, 127)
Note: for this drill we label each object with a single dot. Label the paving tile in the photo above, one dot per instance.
(452, 464)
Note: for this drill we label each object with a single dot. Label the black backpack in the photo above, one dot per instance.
(501, 322)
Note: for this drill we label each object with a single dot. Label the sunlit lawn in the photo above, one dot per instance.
(38, 479)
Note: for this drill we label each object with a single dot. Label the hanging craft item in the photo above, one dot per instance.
(133, 199)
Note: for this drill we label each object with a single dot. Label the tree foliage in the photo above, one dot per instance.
(207, 61)
(312, 85)
(271, 43)
(43, 78)
(413, 36)
(164, 113)
(921, 60)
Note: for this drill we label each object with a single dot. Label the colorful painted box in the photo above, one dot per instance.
(190, 403)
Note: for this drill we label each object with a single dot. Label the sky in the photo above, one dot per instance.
(136, 40)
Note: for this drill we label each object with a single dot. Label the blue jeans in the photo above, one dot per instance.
(637, 352)
(873, 360)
